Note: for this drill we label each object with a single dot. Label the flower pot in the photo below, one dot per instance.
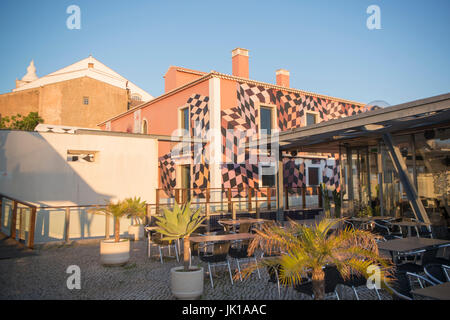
(186, 285)
(114, 253)
(136, 231)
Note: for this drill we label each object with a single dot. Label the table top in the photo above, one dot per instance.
(440, 291)
(410, 244)
(409, 224)
(367, 219)
(241, 221)
(222, 237)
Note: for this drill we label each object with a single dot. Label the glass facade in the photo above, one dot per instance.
(369, 178)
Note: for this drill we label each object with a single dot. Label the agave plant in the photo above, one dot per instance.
(117, 211)
(179, 223)
(136, 209)
(304, 250)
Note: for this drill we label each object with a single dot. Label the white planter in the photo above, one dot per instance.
(186, 285)
(114, 253)
(136, 231)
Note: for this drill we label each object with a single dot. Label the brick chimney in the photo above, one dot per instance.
(239, 59)
(282, 78)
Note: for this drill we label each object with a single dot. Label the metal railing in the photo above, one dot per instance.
(213, 203)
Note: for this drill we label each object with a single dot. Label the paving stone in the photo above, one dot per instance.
(43, 276)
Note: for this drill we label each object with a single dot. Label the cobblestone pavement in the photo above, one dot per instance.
(43, 276)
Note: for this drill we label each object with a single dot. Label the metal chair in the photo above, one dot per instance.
(156, 238)
(384, 231)
(195, 248)
(240, 255)
(355, 282)
(421, 280)
(438, 273)
(217, 258)
(348, 224)
(401, 288)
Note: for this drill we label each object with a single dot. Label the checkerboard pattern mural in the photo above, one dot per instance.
(199, 114)
(241, 122)
(167, 172)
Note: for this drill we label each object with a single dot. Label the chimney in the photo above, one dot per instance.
(282, 78)
(239, 59)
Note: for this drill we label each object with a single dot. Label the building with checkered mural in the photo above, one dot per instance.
(233, 108)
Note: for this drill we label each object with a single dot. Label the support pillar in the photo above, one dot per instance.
(405, 179)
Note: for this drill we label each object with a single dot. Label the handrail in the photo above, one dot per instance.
(18, 201)
(32, 221)
(181, 195)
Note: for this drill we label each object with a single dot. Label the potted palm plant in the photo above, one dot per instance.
(307, 249)
(180, 223)
(137, 210)
(114, 251)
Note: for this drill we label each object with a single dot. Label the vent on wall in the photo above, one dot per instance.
(81, 156)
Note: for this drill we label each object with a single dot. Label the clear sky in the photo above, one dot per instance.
(326, 45)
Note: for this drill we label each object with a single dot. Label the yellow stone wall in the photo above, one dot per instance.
(62, 103)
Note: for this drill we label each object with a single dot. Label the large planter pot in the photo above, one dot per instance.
(114, 253)
(186, 285)
(136, 231)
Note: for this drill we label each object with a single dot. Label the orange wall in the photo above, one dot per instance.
(228, 94)
(161, 116)
(176, 78)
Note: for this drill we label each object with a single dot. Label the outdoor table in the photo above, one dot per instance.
(222, 237)
(367, 219)
(234, 222)
(410, 244)
(439, 292)
(410, 225)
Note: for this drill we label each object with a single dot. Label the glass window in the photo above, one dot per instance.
(85, 100)
(311, 118)
(185, 119)
(144, 127)
(266, 120)
(313, 176)
(268, 180)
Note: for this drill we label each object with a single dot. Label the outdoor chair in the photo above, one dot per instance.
(240, 255)
(332, 279)
(384, 231)
(422, 231)
(400, 289)
(217, 258)
(387, 224)
(415, 279)
(408, 262)
(274, 272)
(355, 282)
(349, 225)
(438, 273)
(156, 238)
(196, 248)
(430, 256)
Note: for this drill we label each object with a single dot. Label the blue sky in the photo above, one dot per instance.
(324, 44)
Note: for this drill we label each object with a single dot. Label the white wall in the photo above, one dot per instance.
(34, 168)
